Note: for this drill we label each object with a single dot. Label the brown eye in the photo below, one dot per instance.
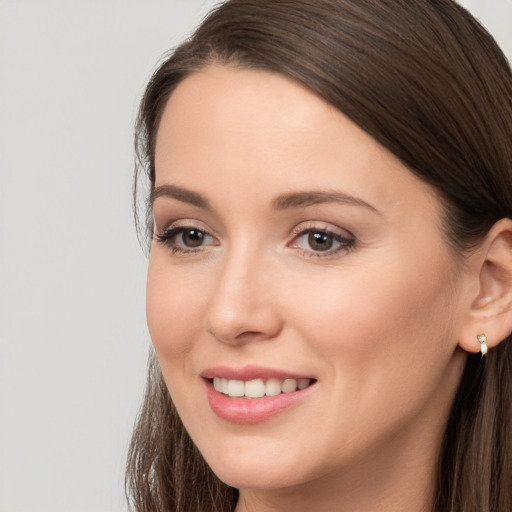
(192, 238)
(323, 242)
(320, 241)
(185, 239)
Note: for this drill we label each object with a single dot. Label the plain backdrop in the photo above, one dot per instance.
(72, 326)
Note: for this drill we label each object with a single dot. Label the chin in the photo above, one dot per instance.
(261, 464)
(258, 476)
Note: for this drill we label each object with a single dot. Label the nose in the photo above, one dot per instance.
(243, 306)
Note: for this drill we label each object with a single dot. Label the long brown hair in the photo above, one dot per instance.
(430, 84)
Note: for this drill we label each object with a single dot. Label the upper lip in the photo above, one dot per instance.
(251, 372)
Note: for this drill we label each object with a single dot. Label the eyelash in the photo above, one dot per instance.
(346, 242)
(167, 238)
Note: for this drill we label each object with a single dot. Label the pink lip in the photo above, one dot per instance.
(245, 411)
(250, 372)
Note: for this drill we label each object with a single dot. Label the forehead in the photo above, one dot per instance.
(222, 90)
(226, 126)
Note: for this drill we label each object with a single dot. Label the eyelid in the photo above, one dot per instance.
(345, 238)
(167, 235)
(174, 230)
(321, 226)
(169, 223)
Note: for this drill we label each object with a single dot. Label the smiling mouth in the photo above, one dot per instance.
(258, 388)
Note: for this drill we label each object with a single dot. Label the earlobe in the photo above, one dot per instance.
(490, 313)
(482, 339)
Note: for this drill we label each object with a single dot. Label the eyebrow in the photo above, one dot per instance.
(301, 199)
(180, 194)
(282, 202)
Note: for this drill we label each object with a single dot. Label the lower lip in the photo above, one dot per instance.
(247, 411)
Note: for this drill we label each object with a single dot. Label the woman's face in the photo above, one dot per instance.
(292, 250)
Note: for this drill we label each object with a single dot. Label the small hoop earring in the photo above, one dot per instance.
(482, 338)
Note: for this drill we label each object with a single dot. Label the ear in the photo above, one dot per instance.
(490, 310)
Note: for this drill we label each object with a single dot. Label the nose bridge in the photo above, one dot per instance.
(242, 305)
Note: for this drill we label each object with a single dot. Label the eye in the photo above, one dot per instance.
(320, 241)
(317, 241)
(192, 237)
(185, 239)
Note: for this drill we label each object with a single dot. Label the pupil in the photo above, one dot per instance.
(320, 241)
(193, 238)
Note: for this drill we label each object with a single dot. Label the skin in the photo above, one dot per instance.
(377, 322)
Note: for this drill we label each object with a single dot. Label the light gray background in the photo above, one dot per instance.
(72, 327)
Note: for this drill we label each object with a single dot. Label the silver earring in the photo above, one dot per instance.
(482, 338)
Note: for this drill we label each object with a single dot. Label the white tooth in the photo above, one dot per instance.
(224, 386)
(255, 388)
(302, 383)
(289, 386)
(216, 384)
(236, 388)
(273, 387)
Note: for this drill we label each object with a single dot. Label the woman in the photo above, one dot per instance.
(330, 275)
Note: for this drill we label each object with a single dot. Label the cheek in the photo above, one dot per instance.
(175, 302)
(382, 339)
(362, 316)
